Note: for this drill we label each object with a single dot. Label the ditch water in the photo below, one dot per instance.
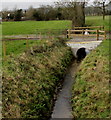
(62, 108)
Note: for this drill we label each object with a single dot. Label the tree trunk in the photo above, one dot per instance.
(79, 16)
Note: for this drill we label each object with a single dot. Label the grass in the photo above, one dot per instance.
(19, 46)
(30, 80)
(29, 27)
(98, 21)
(90, 93)
(48, 63)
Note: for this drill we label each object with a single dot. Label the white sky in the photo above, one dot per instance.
(24, 4)
(33, 0)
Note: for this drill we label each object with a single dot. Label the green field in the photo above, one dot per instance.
(18, 46)
(29, 27)
(98, 21)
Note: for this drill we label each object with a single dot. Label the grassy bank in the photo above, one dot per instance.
(30, 80)
(90, 93)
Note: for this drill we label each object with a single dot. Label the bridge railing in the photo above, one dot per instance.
(84, 31)
(93, 27)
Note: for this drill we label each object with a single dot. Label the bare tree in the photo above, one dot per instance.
(75, 10)
(100, 4)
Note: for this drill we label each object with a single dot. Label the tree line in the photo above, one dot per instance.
(42, 13)
(59, 11)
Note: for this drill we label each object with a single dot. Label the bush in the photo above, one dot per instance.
(18, 15)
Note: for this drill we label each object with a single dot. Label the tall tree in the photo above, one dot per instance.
(75, 11)
(100, 4)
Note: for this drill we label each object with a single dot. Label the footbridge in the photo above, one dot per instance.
(82, 40)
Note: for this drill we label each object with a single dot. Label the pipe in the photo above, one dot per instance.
(80, 53)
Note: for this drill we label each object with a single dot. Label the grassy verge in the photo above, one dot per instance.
(90, 93)
(30, 80)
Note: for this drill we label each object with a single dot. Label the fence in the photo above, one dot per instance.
(80, 31)
(11, 45)
(47, 34)
(93, 27)
(15, 46)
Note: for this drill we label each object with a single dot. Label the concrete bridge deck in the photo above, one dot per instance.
(89, 43)
(84, 38)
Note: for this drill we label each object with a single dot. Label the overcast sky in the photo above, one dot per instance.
(24, 4)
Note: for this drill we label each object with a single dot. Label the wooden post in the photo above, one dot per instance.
(27, 45)
(67, 33)
(83, 31)
(103, 27)
(104, 35)
(4, 50)
(97, 34)
(49, 35)
(36, 33)
(40, 36)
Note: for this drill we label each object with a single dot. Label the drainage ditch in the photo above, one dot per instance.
(62, 107)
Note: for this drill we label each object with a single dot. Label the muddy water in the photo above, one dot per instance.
(62, 108)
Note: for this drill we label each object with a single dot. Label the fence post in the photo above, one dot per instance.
(4, 50)
(103, 27)
(83, 31)
(67, 34)
(97, 34)
(49, 35)
(36, 33)
(27, 45)
(40, 36)
(104, 35)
